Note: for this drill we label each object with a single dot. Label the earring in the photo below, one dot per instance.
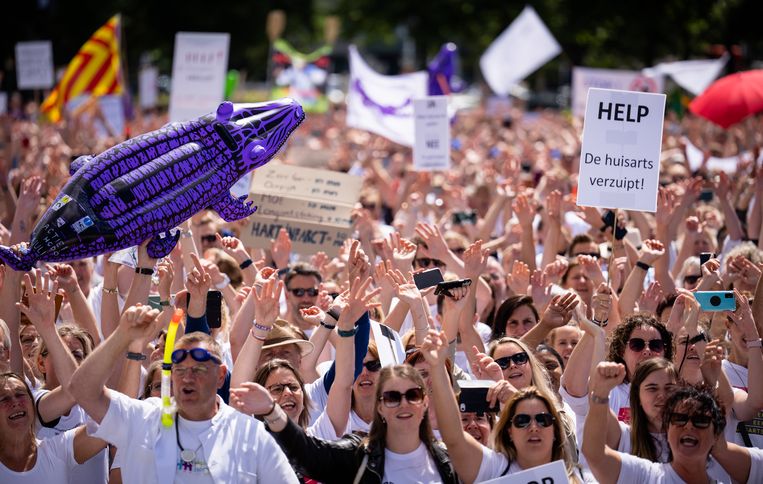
(384, 420)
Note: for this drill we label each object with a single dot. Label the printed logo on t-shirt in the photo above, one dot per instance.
(197, 466)
(624, 415)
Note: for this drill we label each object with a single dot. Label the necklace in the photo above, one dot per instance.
(187, 455)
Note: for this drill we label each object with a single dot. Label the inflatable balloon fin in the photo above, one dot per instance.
(22, 263)
(161, 245)
(79, 163)
(232, 209)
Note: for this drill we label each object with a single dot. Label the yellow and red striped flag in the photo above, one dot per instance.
(94, 70)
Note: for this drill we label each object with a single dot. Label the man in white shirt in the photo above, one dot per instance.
(208, 440)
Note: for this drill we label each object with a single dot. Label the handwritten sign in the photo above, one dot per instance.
(34, 65)
(620, 156)
(551, 473)
(312, 205)
(431, 147)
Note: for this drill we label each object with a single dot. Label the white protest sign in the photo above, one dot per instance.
(431, 148)
(148, 87)
(199, 67)
(3, 102)
(695, 157)
(34, 65)
(388, 344)
(111, 106)
(620, 156)
(584, 78)
(551, 473)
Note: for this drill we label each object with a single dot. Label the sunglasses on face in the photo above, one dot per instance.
(334, 295)
(519, 359)
(392, 398)
(278, 388)
(458, 250)
(198, 354)
(638, 345)
(423, 262)
(523, 420)
(691, 279)
(299, 292)
(372, 365)
(595, 255)
(210, 239)
(697, 420)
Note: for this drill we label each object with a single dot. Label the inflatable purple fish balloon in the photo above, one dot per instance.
(142, 188)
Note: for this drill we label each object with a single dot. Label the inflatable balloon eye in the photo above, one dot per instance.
(141, 189)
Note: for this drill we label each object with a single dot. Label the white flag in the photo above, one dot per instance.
(519, 51)
(383, 104)
(693, 75)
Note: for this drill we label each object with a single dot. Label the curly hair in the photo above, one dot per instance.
(618, 340)
(699, 399)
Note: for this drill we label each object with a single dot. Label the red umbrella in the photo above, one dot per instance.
(730, 99)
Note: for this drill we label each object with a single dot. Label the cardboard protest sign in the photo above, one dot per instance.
(34, 65)
(388, 344)
(551, 473)
(148, 87)
(312, 205)
(620, 156)
(431, 148)
(199, 67)
(585, 78)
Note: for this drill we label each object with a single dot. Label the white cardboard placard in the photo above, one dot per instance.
(148, 87)
(551, 473)
(431, 147)
(620, 156)
(584, 78)
(34, 64)
(388, 344)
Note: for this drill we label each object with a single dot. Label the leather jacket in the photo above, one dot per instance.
(343, 460)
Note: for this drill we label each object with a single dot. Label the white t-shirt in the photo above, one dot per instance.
(195, 472)
(739, 377)
(94, 469)
(756, 467)
(55, 462)
(495, 464)
(634, 469)
(324, 429)
(357, 424)
(411, 468)
(318, 399)
(660, 442)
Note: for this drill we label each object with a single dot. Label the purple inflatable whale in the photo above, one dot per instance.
(142, 188)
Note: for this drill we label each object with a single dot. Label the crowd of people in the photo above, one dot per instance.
(582, 324)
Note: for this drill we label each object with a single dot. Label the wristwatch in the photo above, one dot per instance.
(754, 343)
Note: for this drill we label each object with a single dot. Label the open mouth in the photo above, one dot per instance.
(17, 415)
(476, 434)
(365, 383)
(404, 415)
(516, 374)
(288, 406)
(689, 441)
(534, 440)
(187, 391)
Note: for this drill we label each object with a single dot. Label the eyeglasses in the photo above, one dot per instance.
(519, 359)
(198, 354)
(458, 250)
(210, 239)
(392, 398)
(638, 345)
(29, 341)
(372, 365)
(299, 291)
(523, 420)
(334, 295)
(691, 279)
(427, 262)
(278, 388)
(697, 420)
(196, 370)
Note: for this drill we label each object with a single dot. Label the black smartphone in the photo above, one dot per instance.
(704, 257)
(462, 218)
(214, 308)
(446, 286)
(705, 196)
(473, 396)
(428, 278)
(609, 220)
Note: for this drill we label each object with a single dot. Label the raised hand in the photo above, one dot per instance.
(435, 348)
(651, 298)
(233, 247)
(484, 367)
(41, 304)
(266, 302)
(744, 270)
(554, 206)
(64, 275)
(559, 312)
(540, 290)
(434, 240)
(711, 361)
(29, 198)
(524, 210)
(403, 255)
(591, 267)
(518, 279)
(651, 250)
(313, 315)
(358, 302)
(500, 392)
(280, 249)
(406, 291)
(251, 399)
(358, 265)
(139, 322)
(601, 302)
(743, 318)
(166, 273)
(320, 260)
(199, 281)
(554, 271)
(606, 376)
(475, 260)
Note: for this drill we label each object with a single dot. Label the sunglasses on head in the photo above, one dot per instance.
(198, 354)
(691, 279)
(392, 398)
(427, 262)
(519, 359)
(697, 420)
(372, 365)
(209, 238)
(638, 345)
(523, 420)
(299, 292)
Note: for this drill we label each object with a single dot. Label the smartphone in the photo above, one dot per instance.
(214, 308)
(473, 396)
(463, 218)
(705, 196)
(714, 301)
(704, 257)
(153, 302)
(446, 286)
(428, 278)
(609, 220)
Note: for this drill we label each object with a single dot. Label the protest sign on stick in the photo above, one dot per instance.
(431, 148)
(34, 65)
(620, 156)
(312, 205)
(584, 78)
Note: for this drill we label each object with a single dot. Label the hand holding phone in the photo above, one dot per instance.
(428, 278)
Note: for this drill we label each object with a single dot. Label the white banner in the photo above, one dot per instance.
(199, 66)
(584, 78)
(620, 156)
(148, 87)
(431, 150)
(34, 65)
(551, 473)
(693, 75)
(3, 102)
(520, 50)
(383, 104)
